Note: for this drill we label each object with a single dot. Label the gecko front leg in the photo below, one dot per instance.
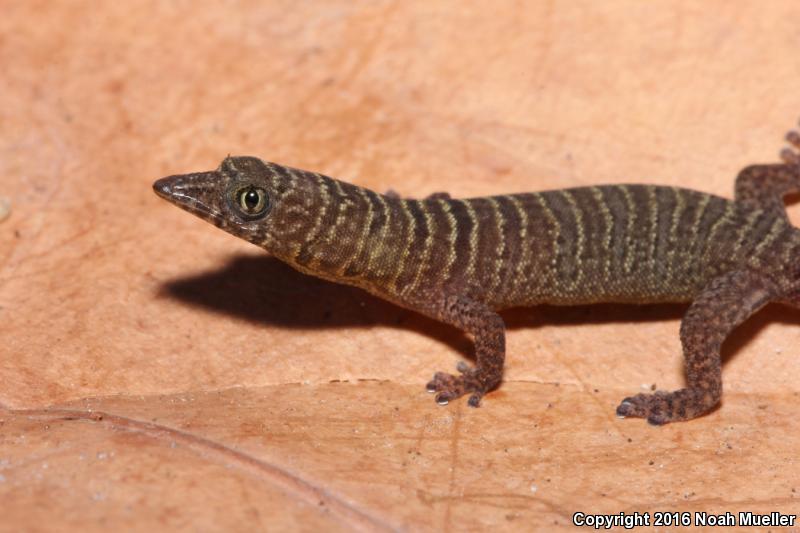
(488, 332)
(727, 302)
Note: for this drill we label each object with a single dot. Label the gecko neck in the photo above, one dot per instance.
(344, 233)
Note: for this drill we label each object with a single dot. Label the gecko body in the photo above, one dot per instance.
(461, 260)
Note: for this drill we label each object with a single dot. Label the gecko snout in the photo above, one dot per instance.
(163, 187)
(193, 185)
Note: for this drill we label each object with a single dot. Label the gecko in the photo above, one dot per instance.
(460, 261)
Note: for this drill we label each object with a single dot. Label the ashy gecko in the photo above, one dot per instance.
(461, 260)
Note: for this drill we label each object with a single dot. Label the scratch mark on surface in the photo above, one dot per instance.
(309, 492)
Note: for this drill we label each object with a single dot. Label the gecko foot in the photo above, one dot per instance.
(662, 407)
(449, 387)
(653, 407)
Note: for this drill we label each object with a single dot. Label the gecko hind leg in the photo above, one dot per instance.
(488, 332)
(764, 186)
(727, 302)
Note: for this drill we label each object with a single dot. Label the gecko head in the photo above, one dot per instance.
(245, 196)
(233, 195)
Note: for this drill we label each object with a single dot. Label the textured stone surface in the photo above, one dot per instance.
(279, 400)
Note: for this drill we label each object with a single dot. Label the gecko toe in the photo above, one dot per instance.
(657, 419)
(444, 396)
(625, 408)
(793, 138)
(441, 381)
(475, 400)
(790, 155)
(464, 368)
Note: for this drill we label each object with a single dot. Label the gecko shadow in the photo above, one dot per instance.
(264, 290)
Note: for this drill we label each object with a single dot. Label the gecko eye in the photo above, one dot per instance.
(252, 201)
